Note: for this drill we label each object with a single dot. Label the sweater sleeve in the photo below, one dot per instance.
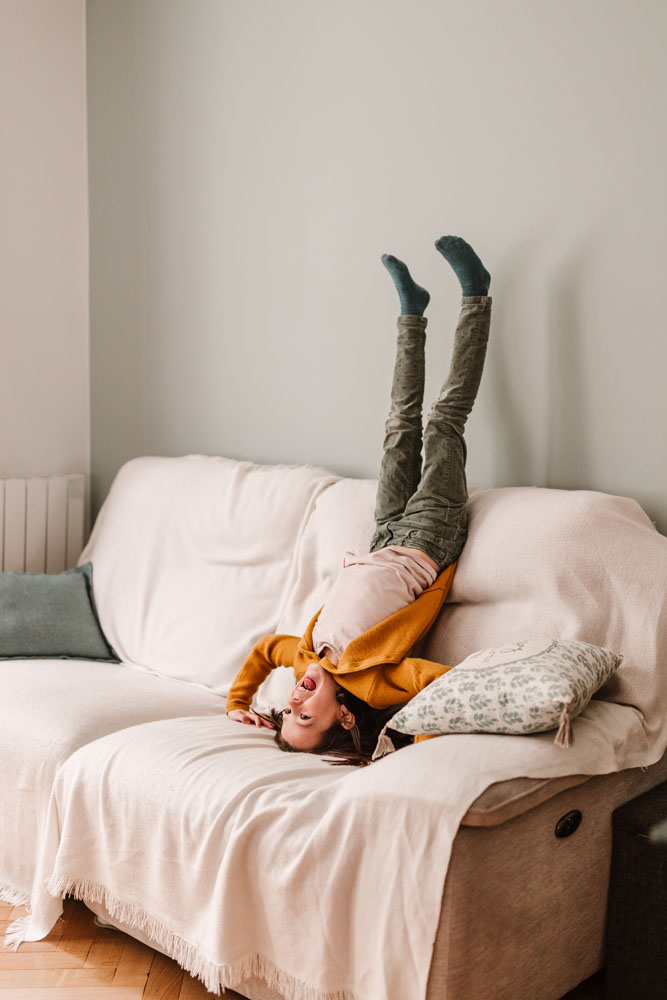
(271, 651)
(426, 671)
(397, 683)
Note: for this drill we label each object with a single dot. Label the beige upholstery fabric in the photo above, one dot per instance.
(513, 891)
(506, 799)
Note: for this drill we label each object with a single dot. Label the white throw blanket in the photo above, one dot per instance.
(193, 558)
(49, 709)
(240, 860)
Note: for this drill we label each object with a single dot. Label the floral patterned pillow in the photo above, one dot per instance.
(526, 687)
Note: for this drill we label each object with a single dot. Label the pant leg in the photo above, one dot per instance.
(400, 470)
(435, 517)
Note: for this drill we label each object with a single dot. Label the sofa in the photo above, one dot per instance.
(465, 866)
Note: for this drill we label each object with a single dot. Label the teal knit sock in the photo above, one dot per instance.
(414, 298)
(468, 268)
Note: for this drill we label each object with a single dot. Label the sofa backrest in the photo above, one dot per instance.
(562, 564)
(538, 563)
(193, 559)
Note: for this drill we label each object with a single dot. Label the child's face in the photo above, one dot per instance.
(312, 709)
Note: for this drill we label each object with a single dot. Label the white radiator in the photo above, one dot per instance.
(41, 523)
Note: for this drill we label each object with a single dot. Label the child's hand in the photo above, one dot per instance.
(249, 718)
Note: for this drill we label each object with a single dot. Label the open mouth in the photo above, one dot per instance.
(308, 683)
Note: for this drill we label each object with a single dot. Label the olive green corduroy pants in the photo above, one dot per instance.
(426, 507)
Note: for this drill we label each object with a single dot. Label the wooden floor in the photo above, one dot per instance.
(81, 961)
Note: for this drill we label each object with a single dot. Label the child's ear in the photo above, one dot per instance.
(347, 719)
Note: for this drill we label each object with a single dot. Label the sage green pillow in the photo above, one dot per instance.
(51, 615)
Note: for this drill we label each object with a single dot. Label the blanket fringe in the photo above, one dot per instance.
(16, 932)
(14, 897)
(563, 737)
(215, 977)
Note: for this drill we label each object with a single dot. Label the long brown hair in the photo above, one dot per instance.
(353, 746)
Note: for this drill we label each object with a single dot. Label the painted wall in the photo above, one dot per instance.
(250, 161)
(44, 360)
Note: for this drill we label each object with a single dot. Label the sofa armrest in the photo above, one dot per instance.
(506, 799)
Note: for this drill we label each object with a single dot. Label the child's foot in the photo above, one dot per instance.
(414, 298)
(468, 268)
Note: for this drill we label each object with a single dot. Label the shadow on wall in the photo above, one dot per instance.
(513, 445)
(514, 450)
(543, 384)
(567, 440)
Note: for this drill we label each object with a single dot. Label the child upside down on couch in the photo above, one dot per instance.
(352, 665)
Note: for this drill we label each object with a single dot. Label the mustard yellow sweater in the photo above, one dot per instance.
(375, 667)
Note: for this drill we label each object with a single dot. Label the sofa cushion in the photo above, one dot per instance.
(51, 615)
(50, 708)
(194, 558)
(570, 565)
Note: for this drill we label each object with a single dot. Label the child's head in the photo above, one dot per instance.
(314, 709)
(323, 718)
